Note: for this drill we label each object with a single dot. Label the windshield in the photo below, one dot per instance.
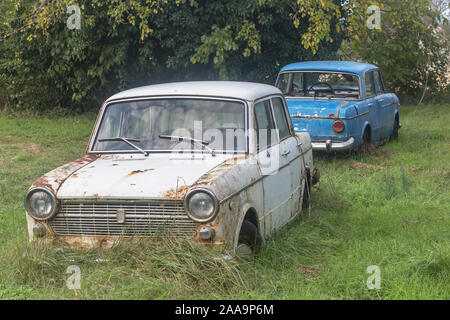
(319, 85)
(178, 124)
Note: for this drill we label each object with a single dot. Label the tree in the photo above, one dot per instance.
(127, 43)
(410, 48)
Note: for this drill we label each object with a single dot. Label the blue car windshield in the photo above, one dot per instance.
(313, 84)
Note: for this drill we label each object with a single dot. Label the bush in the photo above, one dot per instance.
(121, 45)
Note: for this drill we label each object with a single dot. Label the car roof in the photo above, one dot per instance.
(343, 66)
(225, 89)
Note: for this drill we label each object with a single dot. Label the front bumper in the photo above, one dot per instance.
(329, 146)
(42, 231)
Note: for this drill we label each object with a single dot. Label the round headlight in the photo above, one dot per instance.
(40, 204)
(201, 205)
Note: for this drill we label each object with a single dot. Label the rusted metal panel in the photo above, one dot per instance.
(54, 179)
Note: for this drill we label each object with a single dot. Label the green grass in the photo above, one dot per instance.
(389, 209)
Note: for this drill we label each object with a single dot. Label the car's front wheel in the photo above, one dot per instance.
(249, 240)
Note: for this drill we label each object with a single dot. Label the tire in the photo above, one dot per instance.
(365, 144)
(249, 239)
(396, 128)
(306, 199)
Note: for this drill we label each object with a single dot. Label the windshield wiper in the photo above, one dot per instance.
(127, 141)
(202, 143)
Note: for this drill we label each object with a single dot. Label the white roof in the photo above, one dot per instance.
(228, 89)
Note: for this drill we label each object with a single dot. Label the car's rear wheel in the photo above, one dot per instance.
(306, 196)
(396, 128)
(364, 149)
(249, 240)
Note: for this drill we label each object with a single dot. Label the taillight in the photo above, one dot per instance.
(338, 126)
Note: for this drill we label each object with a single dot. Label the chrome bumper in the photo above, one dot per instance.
(330, 146)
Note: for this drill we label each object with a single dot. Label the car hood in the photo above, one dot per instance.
(136, 176)
(316, 108)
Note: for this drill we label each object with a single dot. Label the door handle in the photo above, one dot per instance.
(381, 100)
(370, 105)
(286, 153)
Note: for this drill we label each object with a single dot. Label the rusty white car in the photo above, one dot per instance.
(217, 162)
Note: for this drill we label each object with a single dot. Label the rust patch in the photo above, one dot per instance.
(132, 173)
(114, 165)
(95, 196)
(213, 174)
(175, 193)
(342, 105)
(87, 243)
(43, 182)
(54, 179)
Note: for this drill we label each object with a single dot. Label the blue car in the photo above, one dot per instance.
(343, 105)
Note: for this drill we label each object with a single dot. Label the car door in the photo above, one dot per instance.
(386, 107)
(373, 106)
(276, 181)
(289, 154)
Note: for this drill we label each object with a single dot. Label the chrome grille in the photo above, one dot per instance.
(146, 219)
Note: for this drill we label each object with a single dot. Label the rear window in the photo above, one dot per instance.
(316, 84)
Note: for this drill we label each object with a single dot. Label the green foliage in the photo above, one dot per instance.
(124, 44)
(390, 209)
(410, 48)
(127, 43)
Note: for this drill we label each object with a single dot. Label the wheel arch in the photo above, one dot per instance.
(247, 212)
(397, 116)
(366, 126)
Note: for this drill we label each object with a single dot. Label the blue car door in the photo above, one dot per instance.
(373, 106)
(386, 106)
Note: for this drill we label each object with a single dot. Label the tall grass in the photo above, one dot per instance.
(390, 208)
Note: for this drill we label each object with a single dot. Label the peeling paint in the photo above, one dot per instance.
(55, 178)
(132, 173)
(175, 193)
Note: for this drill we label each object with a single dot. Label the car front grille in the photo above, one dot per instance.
(142, 219)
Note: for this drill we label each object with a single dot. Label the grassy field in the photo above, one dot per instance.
(390, 209)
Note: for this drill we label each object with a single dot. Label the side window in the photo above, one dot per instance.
(297, 85)
(280, 118)
(283, 83)
(379, 81)
(370, 87)
(264, 125)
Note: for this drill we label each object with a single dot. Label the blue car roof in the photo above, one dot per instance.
(344, 66)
